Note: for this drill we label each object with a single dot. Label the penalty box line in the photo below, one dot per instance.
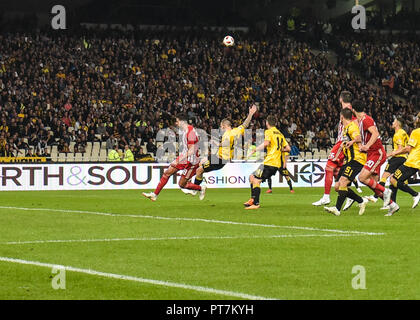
(137, 279)
(179, 238)
(194, 220)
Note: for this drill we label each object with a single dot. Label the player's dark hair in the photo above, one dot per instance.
(182, 117)
(271, 120)
(347, 113)
(358, 106)
(346, 96)
(401, 121)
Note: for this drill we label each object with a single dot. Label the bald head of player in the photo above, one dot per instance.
(346, 99)
(225, 125)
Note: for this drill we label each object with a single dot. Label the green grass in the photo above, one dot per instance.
(251, 262)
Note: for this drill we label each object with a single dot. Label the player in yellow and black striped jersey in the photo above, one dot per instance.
(354, 162)
(395, 159)
(399, 141)
(226, 146)
(276, 145)
(410, 167)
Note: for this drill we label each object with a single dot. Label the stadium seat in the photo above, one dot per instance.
(70, 157)
(54, 157)
(308, 155)
(61, 157)
(103, 158)
(300, 157)
(88, 149)
(95, 150)
(78, 157)
(71, 146)
(103, 153)
(54, 149)
(323, 155)
(86, 157)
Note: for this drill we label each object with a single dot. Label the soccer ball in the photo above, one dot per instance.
(228, 41)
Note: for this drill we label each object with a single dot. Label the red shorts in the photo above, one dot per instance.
(336, 156)
(187, 169)
(375, 159)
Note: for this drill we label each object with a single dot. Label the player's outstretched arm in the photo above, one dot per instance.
(251, 113)
(262, 146)
(406, 149)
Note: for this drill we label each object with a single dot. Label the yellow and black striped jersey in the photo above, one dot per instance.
(413, 159)
(228, 139)
(275, 152)
(350, 132)
(400, 138)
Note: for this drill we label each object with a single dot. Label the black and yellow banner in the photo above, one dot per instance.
(22, 159)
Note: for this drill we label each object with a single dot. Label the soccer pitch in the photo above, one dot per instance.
(119, 245)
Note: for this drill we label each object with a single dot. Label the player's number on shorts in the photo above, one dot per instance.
(348, 172)
(398, 174)
(370, 163)
(332, 155)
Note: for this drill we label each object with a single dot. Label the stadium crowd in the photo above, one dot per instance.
(119, 87)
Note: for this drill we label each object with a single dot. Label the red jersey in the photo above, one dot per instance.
(189, 138)
(364, 124)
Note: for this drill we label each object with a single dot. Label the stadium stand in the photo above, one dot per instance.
(57, 92)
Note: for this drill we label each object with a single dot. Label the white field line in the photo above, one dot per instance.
(194, 220)
(136, 279)
(181, 238)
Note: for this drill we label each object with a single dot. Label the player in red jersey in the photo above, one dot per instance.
(372, 145)
(188, 161)
(336, 156)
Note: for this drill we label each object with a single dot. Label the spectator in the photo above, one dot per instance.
(114, 155)
(128, 154)
(151, 147)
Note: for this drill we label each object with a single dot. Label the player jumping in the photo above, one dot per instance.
(336, 156)
(372, 145)
(188, 161)
(226, 146)
(354, 162)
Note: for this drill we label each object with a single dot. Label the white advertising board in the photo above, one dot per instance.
(105, 176)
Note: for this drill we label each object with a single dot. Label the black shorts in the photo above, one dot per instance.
(350, 170)
(264, 172)
(403, 173)
(209, 165)
(394, 163)
(284, 172)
